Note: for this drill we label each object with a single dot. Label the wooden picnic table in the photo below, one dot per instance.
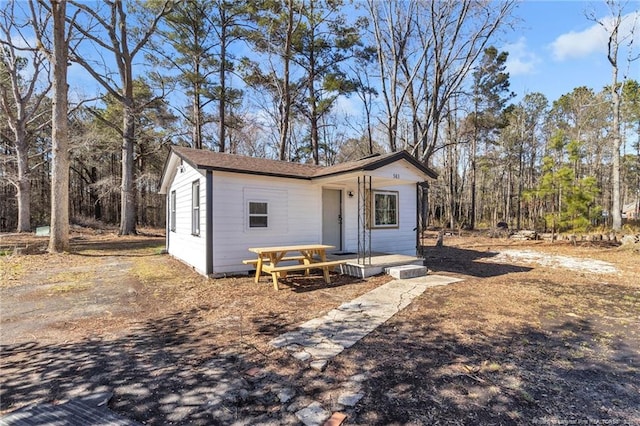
(308, 256)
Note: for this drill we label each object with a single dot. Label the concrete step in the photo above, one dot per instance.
(406, 271)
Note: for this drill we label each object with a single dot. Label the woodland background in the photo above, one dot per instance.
(266, 78)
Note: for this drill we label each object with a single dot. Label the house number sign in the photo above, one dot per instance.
(396, 175)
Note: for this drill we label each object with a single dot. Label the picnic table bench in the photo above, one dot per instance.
(311, 256)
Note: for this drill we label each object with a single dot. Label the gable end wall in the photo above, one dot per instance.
(183, 245)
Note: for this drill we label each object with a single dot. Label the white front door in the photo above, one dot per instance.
(332, 217)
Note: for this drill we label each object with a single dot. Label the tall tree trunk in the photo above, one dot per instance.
(127, 194)
(23, 187)
(59, 231)
(452, 187)
(286, 89)
(127, 188)
(222, 104)
(196, 131)
(473, 171)
(367, 109)
(93, 196)
(520, 177)
(315, 143)
(315, 149)
(508, 196)
(612, 55)
(616, 208)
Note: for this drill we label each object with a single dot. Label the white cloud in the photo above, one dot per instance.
(22, 42)
(521, 60)
(348, 105)
(579, 44)
(573, 45)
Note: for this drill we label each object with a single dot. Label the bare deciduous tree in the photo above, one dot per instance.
(58, 57)
(21, 96)
(394, 32)
(426, 51)
(613, 25)
(112, 32)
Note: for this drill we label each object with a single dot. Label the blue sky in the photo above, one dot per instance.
(555, 48)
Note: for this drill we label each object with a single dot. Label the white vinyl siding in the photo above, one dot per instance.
(400, 239)
(184, 245)
(293, 208)
(399, 172)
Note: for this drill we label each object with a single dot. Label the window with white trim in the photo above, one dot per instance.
(172, 211)
(195, 208)
(385, 209)
(258, 214)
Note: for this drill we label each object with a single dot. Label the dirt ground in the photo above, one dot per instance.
(515, 342)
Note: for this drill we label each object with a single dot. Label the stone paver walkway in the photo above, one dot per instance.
(320, 339)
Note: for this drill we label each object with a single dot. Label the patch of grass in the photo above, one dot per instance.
(12, 270)
(492, 367)
(149, 271)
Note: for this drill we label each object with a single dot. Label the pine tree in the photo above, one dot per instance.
(490, 95)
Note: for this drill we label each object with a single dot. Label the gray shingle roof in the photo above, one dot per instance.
(210, 160)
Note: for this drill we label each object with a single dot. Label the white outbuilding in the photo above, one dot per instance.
(219, 205)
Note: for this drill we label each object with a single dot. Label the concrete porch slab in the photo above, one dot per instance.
(378, 263)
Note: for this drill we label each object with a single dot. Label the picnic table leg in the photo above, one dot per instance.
(258, 269)
(274, 258)
(326, 275)
(308, 256)
(323, 258)
(304, 262)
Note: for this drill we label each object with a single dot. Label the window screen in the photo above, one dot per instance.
(258, 214)
(195, 212)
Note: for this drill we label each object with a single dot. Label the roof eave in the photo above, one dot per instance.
(383, 162)
(251, 172)
(164, 181)
(316, 175)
